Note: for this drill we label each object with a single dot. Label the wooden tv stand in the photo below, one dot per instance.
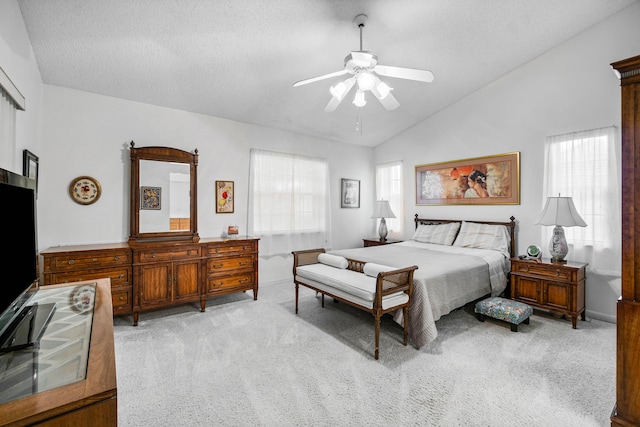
(91, 400)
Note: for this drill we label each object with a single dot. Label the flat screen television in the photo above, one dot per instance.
(21, 322)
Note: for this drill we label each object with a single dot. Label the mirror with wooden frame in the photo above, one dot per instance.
(164, 194)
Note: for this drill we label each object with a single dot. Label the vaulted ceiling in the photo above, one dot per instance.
(238, 59)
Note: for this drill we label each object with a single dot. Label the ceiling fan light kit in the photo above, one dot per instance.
(364, 69)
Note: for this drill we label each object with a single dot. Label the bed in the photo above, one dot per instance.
(458, 262)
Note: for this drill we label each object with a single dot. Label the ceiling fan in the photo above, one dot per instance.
(364, 70)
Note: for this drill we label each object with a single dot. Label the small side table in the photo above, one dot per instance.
(377, 242)
(550, 286)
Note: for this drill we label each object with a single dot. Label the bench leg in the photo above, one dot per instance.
(405, 320)
(322, 300)
(514, 327)
(297, 286)
(377, 335)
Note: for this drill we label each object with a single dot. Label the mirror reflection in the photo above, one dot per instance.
(164, 196)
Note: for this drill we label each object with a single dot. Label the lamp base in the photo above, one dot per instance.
(382, 231)
(558, 247)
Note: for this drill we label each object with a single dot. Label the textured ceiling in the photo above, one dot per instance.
(238, 59)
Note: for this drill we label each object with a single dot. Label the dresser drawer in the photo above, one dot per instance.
(232, 247)
(556, 273)
(119, 276)
(88, 260)
(168, 254)
(219, 265)
(121, 299)
(236, 281)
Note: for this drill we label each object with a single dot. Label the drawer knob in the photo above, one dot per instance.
(120, 276)
(188, 252)
(116, 258)
(242, 263)
(217, 265)
(557, 274)
(217, 250)
(153, 255)
(71, 262)
(121, 298)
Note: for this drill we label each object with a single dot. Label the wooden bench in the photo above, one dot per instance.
(370, 287)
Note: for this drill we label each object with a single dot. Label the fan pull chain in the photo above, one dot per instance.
(358, 122)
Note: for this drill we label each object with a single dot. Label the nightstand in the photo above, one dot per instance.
(377, 242)
(550, 286)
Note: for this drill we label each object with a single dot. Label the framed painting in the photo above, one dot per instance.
(350, 194)
(224, 196)
(30, 165)
(490, 180)
(150, 198)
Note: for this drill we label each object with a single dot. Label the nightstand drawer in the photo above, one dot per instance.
(542, 270)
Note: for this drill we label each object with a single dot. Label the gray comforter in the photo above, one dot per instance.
(447, 278)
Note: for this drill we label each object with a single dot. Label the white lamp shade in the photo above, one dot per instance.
(561, 211)
(383, 210)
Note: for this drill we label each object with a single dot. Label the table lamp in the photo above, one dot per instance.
(560, 212)
(382, 211)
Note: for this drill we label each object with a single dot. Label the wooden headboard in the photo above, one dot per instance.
(511, 226)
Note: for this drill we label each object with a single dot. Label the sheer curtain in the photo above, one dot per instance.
(389, 187)
(289, 202)
(583, 165)
(7, 130)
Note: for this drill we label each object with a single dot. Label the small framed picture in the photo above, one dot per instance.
(224, 196)
(150, 198)
(30, 166)
(350, 194)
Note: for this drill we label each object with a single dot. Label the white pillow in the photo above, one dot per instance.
(483, 236)
(372, 269)
(333, 260)
(440, 234)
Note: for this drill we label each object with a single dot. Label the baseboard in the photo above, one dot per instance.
(601, 316)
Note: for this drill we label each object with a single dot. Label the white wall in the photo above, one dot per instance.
(570, 88)
(89, 134)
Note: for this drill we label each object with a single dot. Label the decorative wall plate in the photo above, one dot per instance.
(85, 190)
(534, 251)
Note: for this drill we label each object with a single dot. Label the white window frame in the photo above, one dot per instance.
(390, 186)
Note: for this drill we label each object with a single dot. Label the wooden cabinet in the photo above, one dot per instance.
(231, 266)
(550, 286)
(152, 275)
(378, 242)
(87, 399)
(66, 264)
(165, 274)
(627, 409)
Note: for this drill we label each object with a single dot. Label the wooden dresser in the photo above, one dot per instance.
(231, 265)
(74, 367)
(65, 264)
(159, 274)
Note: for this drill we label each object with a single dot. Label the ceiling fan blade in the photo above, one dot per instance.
(335, 101)
(318, 78)
(389, 101)
(404, 73)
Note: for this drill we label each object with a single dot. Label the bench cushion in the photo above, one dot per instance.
(348, 284)
(499, 308)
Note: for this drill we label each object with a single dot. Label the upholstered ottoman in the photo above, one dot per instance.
(508, 310)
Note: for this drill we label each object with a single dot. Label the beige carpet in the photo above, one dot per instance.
(256, 363)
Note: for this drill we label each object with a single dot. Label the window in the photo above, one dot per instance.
(389, 187)
(289, 202)
(583, 165)
(10, 100)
